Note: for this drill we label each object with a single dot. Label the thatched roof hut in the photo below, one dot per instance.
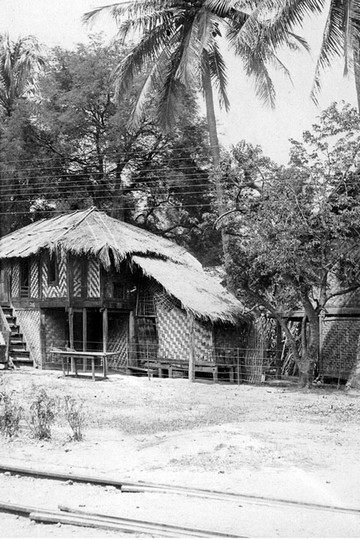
(93, 233)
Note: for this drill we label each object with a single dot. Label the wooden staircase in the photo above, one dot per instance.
(18, 350)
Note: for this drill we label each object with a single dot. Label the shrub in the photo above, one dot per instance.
(42, 415)
(10, 414)
(75, 417)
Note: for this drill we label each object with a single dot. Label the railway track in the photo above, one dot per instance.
(68, 515)
(138, 487)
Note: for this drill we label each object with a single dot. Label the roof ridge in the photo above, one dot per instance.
(86, 214)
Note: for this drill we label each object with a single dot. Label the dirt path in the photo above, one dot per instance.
(274, 442)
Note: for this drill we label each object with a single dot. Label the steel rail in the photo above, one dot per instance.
(82, 518)
(127, 486)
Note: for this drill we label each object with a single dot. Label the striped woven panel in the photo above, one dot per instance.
(55, 291)
(93, 278)
(77, 277)
(174, 336)
(34, 279)
(15, 279)
(118, 341)
(29, 321)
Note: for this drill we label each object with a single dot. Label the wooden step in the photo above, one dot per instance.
(18, 346)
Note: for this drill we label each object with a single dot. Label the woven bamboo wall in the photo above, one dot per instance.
(55, 291)
(93, 278)
(118, 339)
(29, 321)
(34, 278)
(340, 342)
(77, 267)
(55, 328)
(173, 332)
(15, 279)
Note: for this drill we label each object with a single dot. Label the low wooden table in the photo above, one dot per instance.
(67, 356)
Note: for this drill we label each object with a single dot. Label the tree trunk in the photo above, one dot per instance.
(310, 354)
(356, 54)
(215, 151)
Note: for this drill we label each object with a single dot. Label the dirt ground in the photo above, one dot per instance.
(270, 441)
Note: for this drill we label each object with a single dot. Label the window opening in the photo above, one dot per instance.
(52, 269)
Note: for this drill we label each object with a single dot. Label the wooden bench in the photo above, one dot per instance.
(137, 370)
(159, 366)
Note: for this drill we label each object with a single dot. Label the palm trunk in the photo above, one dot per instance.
(215, 151)
(356, 53)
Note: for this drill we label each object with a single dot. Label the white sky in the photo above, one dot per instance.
(58, 22)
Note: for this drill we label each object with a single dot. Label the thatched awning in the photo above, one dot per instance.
(198, 293)
(93, 233)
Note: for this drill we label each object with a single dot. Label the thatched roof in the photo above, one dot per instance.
(93, 233)
(197, 292)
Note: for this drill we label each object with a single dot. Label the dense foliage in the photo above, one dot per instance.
(295, 230)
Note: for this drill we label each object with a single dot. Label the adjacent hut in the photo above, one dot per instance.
(89, 282)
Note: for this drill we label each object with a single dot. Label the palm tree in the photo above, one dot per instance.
(180, 44)
(20, 63)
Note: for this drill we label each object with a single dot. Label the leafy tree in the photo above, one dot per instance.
(295, 230)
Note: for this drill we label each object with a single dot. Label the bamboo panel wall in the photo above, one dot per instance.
(118, 340)
(93, 278)
(77, 277)
(55, 291)
(34, 278)
(15, 279)
(174, 336)
(340, 343)
(29, 321)
(55, 331)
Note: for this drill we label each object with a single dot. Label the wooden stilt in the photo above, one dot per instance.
(191, 322)
(84, 321)
(105, 338)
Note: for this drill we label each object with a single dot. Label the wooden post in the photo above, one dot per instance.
(42, 338)
(105, 338)
(321, 340)
(278, 350)
(131, 340)
(105, 329)
(71, 335)
(191, 324)
(84, 336)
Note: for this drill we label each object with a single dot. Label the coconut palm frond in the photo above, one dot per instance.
(147, 50)
(153, 81)
(332, 46)
(256, 69)
(218, 74)
(147, 22)
(293, 12)
(169, 99)
(169, 90)
(295, 41)
(189, 49)
(113, 10)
